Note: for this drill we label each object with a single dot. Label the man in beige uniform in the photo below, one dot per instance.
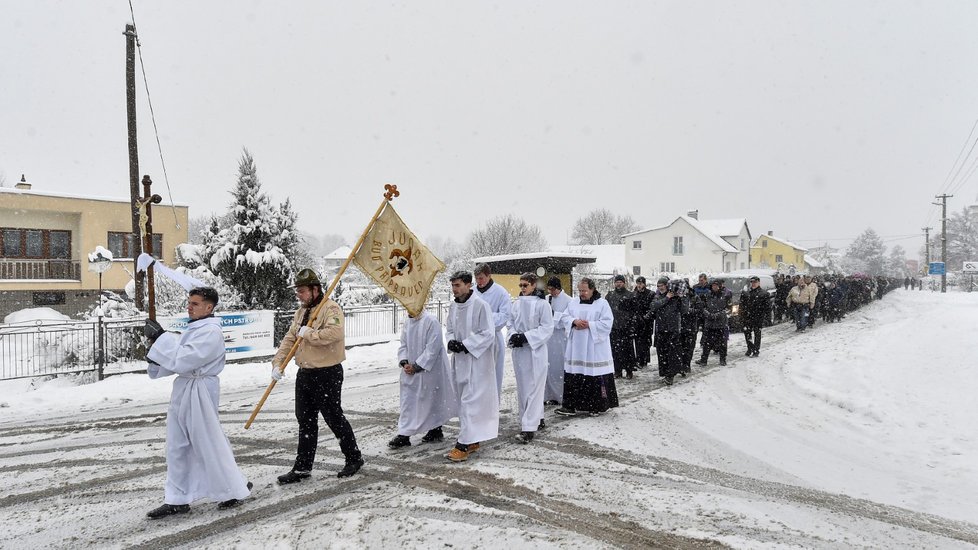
(319, 381)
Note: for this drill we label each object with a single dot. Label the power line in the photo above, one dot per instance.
(152, 116)
(948, 178)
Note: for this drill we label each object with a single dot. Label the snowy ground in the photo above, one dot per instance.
(857, 434)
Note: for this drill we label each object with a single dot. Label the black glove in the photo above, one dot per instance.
(517, 340)
(455, 346)
(152, 330)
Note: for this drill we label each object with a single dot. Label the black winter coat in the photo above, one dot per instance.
(714, 307)
(755, 307)
(669, 313)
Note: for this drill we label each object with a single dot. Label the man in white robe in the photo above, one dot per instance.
(589, 380)
(559, 301)
(499, 302)
(428, 397)
(471, 338)
(199, 460)
(531, 325)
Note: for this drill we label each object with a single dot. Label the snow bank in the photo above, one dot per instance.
(35, 314)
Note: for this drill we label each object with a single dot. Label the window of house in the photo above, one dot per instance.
(677, 246)
(667, 266)
(741, 265)
(123, 245)
(42, 244)
(779, 258)
(742, 244)
(636, 245)
(728, 266)
(764, 243)
(636, 270)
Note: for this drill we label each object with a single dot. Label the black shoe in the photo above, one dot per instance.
(350, 468)
(629, 375)
(749, 353)
(723, 362)
(399, 441)
(756, 353)
(434, 434)
(168, 510)
(669, 380)
(700, 362)
(524, 437)
(232, 502)
(292, 477)
(683, 374)
(550, 402)
(566, 411)
(542, 426)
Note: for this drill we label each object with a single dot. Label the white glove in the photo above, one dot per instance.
(303, 331)
(277, 374)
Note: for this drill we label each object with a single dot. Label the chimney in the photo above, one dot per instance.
(770, 233)
(22, 184)
(695, 214)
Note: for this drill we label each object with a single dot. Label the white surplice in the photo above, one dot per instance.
(532, 317)
(499, 302)
(474, 372)
(588, 350)
(428, 397)
(199, 460)
(555, 349)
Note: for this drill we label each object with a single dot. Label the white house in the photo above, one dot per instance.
(689, 245)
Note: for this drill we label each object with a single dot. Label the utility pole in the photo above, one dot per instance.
(133, 157)
(943, 204)
(927, 248)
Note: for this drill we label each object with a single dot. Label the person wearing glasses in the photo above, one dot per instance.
(531, 324)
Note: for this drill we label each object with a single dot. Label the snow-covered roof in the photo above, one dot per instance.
(724, 228)
(59, 195)
(609, 258)
(707, 228)
(812, 262)
(340, 253)
(782, 241)
(530, 255)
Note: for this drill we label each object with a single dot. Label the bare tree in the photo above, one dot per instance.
(601, 226)
(507, 234)
(3, 179)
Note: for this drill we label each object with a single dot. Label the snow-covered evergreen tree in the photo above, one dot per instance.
(962, 239)
(896, 262)
(869, 248)
(247, 254)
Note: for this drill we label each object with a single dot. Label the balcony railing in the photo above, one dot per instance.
(40, 269)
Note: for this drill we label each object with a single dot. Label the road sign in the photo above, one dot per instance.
(936, 268)
(970, 267)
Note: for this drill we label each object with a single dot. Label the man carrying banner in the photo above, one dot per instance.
(428, 397)
(500, 302)
(471, 337)
(199, 460)
(319, 382)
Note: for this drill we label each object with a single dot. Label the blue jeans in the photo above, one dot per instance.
(800, 312)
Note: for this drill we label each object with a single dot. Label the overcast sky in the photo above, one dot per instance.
(812, 119)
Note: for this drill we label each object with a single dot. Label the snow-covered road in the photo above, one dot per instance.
(856, 434)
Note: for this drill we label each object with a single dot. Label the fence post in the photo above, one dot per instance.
(101, 348)
(440, 320)
(394, 318)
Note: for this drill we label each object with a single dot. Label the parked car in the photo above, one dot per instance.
(738, 282)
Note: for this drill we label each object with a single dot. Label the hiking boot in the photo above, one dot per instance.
(524, 437)
(232, 502)
(399, 441)
(168, 510)
(434, 434)
(352, 467)
(292, 477)
(473, 447)
(458, 455)
(566, 411)
(542, 426)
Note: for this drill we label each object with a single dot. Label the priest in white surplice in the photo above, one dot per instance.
(531, 324)
(499, 302)
(428, 397)
(472, 342)
(557, 344)
(199, 461)
(589, 379)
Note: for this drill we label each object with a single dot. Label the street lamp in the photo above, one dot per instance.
(100, 261)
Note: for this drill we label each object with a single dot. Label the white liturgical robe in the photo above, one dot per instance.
(532, 317)
(475, 372)
(499, 302)
(588, 350)
(555, 349)
(199, 460)
(428, 397)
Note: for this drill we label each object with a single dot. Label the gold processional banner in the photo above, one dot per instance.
(393, 257)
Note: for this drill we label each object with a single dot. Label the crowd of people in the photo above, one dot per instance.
(566, 351)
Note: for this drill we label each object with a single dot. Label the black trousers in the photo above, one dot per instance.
(317, 391)
(622, 351)
(688, 339)
(643, 344)
(669, 351)
(714, 340)
(753, 336)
